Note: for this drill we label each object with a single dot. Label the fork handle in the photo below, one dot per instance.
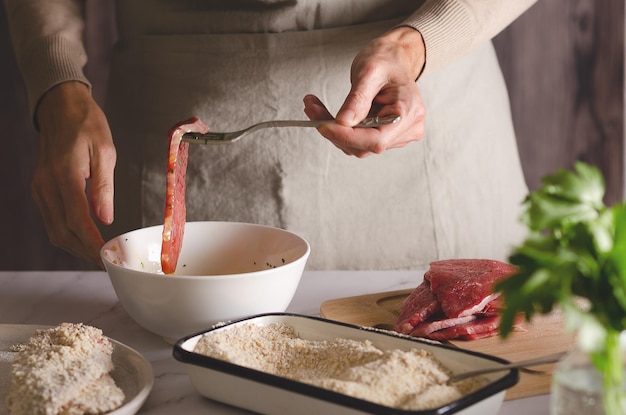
(366, 123)
(516, 365)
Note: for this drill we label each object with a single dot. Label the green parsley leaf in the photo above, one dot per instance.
(574, 258)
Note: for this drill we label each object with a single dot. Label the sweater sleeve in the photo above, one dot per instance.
(47, 39)
(453, 28)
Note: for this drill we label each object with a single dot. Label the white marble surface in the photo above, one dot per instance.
(88, 297)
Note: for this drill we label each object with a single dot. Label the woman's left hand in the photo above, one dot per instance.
(383, 78)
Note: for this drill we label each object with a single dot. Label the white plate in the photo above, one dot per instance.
(274, 395)
(132, 372)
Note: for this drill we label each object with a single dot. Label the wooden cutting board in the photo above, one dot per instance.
(544, 335)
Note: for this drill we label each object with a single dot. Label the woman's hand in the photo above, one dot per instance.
(74, 169)
(383, 78)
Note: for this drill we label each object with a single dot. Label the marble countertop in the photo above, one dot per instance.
(50, 298)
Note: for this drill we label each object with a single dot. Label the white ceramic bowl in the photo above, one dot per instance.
(226, 271)
(275, 395)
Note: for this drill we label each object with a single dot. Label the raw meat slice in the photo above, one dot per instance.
(420, 305)
(476, 329)
(175, 208)
(465, 286)
(426, 328)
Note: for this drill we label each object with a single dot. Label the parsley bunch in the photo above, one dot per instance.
(575, 258)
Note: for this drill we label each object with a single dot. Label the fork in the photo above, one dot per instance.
(229, 137)
(517, 365)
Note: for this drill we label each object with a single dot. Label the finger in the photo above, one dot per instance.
(358, 141)
(358, 103)
(101, 186)
(315, 109)
(340, 135)
(60, 192)
(48, 198)
(78, 221)
(368, 141)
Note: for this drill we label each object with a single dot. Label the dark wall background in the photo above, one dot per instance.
(563, 61)
(564, 65)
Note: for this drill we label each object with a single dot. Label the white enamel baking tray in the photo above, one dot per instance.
(274, 395)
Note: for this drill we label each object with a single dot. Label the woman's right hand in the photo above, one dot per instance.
(383, 78)
(73, 178)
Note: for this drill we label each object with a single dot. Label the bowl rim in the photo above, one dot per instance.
(185, 356)
(294, 263)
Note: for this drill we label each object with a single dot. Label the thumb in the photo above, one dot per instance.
(358, 103)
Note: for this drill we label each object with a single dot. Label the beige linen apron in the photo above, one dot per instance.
(454, 194)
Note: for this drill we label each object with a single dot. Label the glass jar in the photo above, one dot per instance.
(577, 387)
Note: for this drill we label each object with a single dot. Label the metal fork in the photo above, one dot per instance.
(229, 137)
(517, 365)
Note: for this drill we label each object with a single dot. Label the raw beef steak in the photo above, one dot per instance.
(175, 208)
(455, 300)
